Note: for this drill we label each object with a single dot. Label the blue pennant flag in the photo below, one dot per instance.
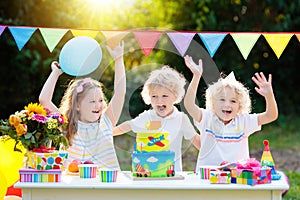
(212, 41)
(21, 35)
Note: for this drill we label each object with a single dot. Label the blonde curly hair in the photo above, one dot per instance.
(166, 77)
(242, 92)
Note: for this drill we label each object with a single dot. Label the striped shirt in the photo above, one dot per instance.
(94, 142)
(220, 142)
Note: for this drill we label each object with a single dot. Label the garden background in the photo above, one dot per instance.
(23, 71)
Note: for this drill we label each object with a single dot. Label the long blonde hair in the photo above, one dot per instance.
(73, 95)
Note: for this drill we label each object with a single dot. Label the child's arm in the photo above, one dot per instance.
(115, 106)
(196, 141)
(265, 89)
(46, 94)
(122, 128)
(190, 97)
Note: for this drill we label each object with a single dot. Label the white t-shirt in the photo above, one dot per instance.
(177, 124)
(94, 141)
(221, 142)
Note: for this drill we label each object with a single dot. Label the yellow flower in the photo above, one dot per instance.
(35, 108)
(14, 120)
(21, 129)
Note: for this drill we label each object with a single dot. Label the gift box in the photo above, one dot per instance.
(251, 176)
(47, 161)
(220, 177)
(40, 176)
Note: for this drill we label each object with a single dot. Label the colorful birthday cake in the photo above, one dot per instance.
(152, 156)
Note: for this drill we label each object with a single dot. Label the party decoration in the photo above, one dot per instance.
(267, 160)
(80, 56)
(21, 35)
(52, 36)
(147, 40)
(11, 161)
(181, 41)
(278, 42)
(113, 38)
(3, 185)
(245, 42)
(212, 41)
(2, 28)
(89, 33)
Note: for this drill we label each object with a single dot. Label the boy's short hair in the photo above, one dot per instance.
(166, 77)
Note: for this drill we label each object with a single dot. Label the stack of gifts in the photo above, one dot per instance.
(249, 172)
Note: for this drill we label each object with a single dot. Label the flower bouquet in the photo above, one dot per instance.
(36, 128)
(41, 133)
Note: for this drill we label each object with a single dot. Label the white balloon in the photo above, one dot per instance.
(80, 56)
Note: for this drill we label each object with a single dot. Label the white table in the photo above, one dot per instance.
(72, 187)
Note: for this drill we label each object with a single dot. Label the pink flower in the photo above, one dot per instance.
(39, 118)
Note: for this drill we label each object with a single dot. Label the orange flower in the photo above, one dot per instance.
(21, 129)
(14, 120)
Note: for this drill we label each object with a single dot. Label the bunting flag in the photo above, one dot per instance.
(181, 41)
(298, 36)
(21, 35)
(245, 42)
(113, 38)
(82, 32)
(52, 36)
(278, 42)
(212, 41)
(2, 29)
(147, 40)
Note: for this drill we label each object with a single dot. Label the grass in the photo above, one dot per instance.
(282, 134)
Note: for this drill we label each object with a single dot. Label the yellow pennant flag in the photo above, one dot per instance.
(90, 33)
(278, 41)
(245, 42)
(113, 38)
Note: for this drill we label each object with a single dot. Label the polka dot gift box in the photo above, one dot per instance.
(47, 161)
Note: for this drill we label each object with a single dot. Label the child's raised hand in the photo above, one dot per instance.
(56, 68)
(196, 69)
(117, 52)
(264, 86)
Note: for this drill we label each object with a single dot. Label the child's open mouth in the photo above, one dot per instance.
(226, 111)
(161, 108)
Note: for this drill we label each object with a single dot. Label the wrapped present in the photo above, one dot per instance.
(251, 176)
(217, 176)
(40, 176)
(46, 161)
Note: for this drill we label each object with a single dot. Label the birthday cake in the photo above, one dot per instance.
(152, 156)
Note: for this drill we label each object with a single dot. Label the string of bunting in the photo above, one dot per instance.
(147, 39)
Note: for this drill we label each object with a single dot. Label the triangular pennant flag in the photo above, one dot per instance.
(21, 35)
(90, 33)
(298, 36)
(181, 41)
(147, 40)
(278, 41)
(113, 38)
(212, 41)
(52, 36)
(2, 29)
(245, 42)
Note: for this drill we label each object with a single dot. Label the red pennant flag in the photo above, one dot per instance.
(147, 40)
